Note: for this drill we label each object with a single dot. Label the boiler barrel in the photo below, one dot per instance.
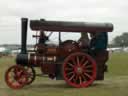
(63, 26)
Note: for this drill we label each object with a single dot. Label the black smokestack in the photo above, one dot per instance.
(24, 22)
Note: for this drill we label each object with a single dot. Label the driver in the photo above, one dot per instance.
(43, 38)
(84, 40)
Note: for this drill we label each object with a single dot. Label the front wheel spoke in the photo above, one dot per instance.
(19, 70)
(13, 80)
(12, 70)
(27, 68)
(29, 74)
(88, 75)
(22, 76)
(22, 80)
(29, 71)
(16, 69)
(11, 75)
(16, 84)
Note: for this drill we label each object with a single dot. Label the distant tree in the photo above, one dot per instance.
(122, 40)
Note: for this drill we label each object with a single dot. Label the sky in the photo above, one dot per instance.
(11, 12)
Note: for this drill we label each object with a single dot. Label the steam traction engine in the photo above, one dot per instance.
(67, 60)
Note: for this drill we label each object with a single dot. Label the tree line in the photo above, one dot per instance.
(120, 41)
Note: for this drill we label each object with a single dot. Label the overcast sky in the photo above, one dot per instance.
(114, 11)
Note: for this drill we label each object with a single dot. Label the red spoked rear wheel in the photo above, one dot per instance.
(16, 77)
(79, 70)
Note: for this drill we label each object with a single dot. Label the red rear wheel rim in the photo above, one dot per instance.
(79, 70)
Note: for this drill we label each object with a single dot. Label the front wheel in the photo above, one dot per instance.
(79, 70)
(16, 77)
(31, 74)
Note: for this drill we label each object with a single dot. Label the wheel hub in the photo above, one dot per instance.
(79, 70)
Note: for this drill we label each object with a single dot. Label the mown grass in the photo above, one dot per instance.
(115, 83)
(118, 64)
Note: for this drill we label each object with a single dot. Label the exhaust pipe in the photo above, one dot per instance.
(24, 23)
(22, 57)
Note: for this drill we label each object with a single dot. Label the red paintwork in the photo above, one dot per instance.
(48, 68)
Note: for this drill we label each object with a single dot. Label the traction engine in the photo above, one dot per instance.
(66, 61)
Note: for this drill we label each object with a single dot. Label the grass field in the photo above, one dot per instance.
(115, 83)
